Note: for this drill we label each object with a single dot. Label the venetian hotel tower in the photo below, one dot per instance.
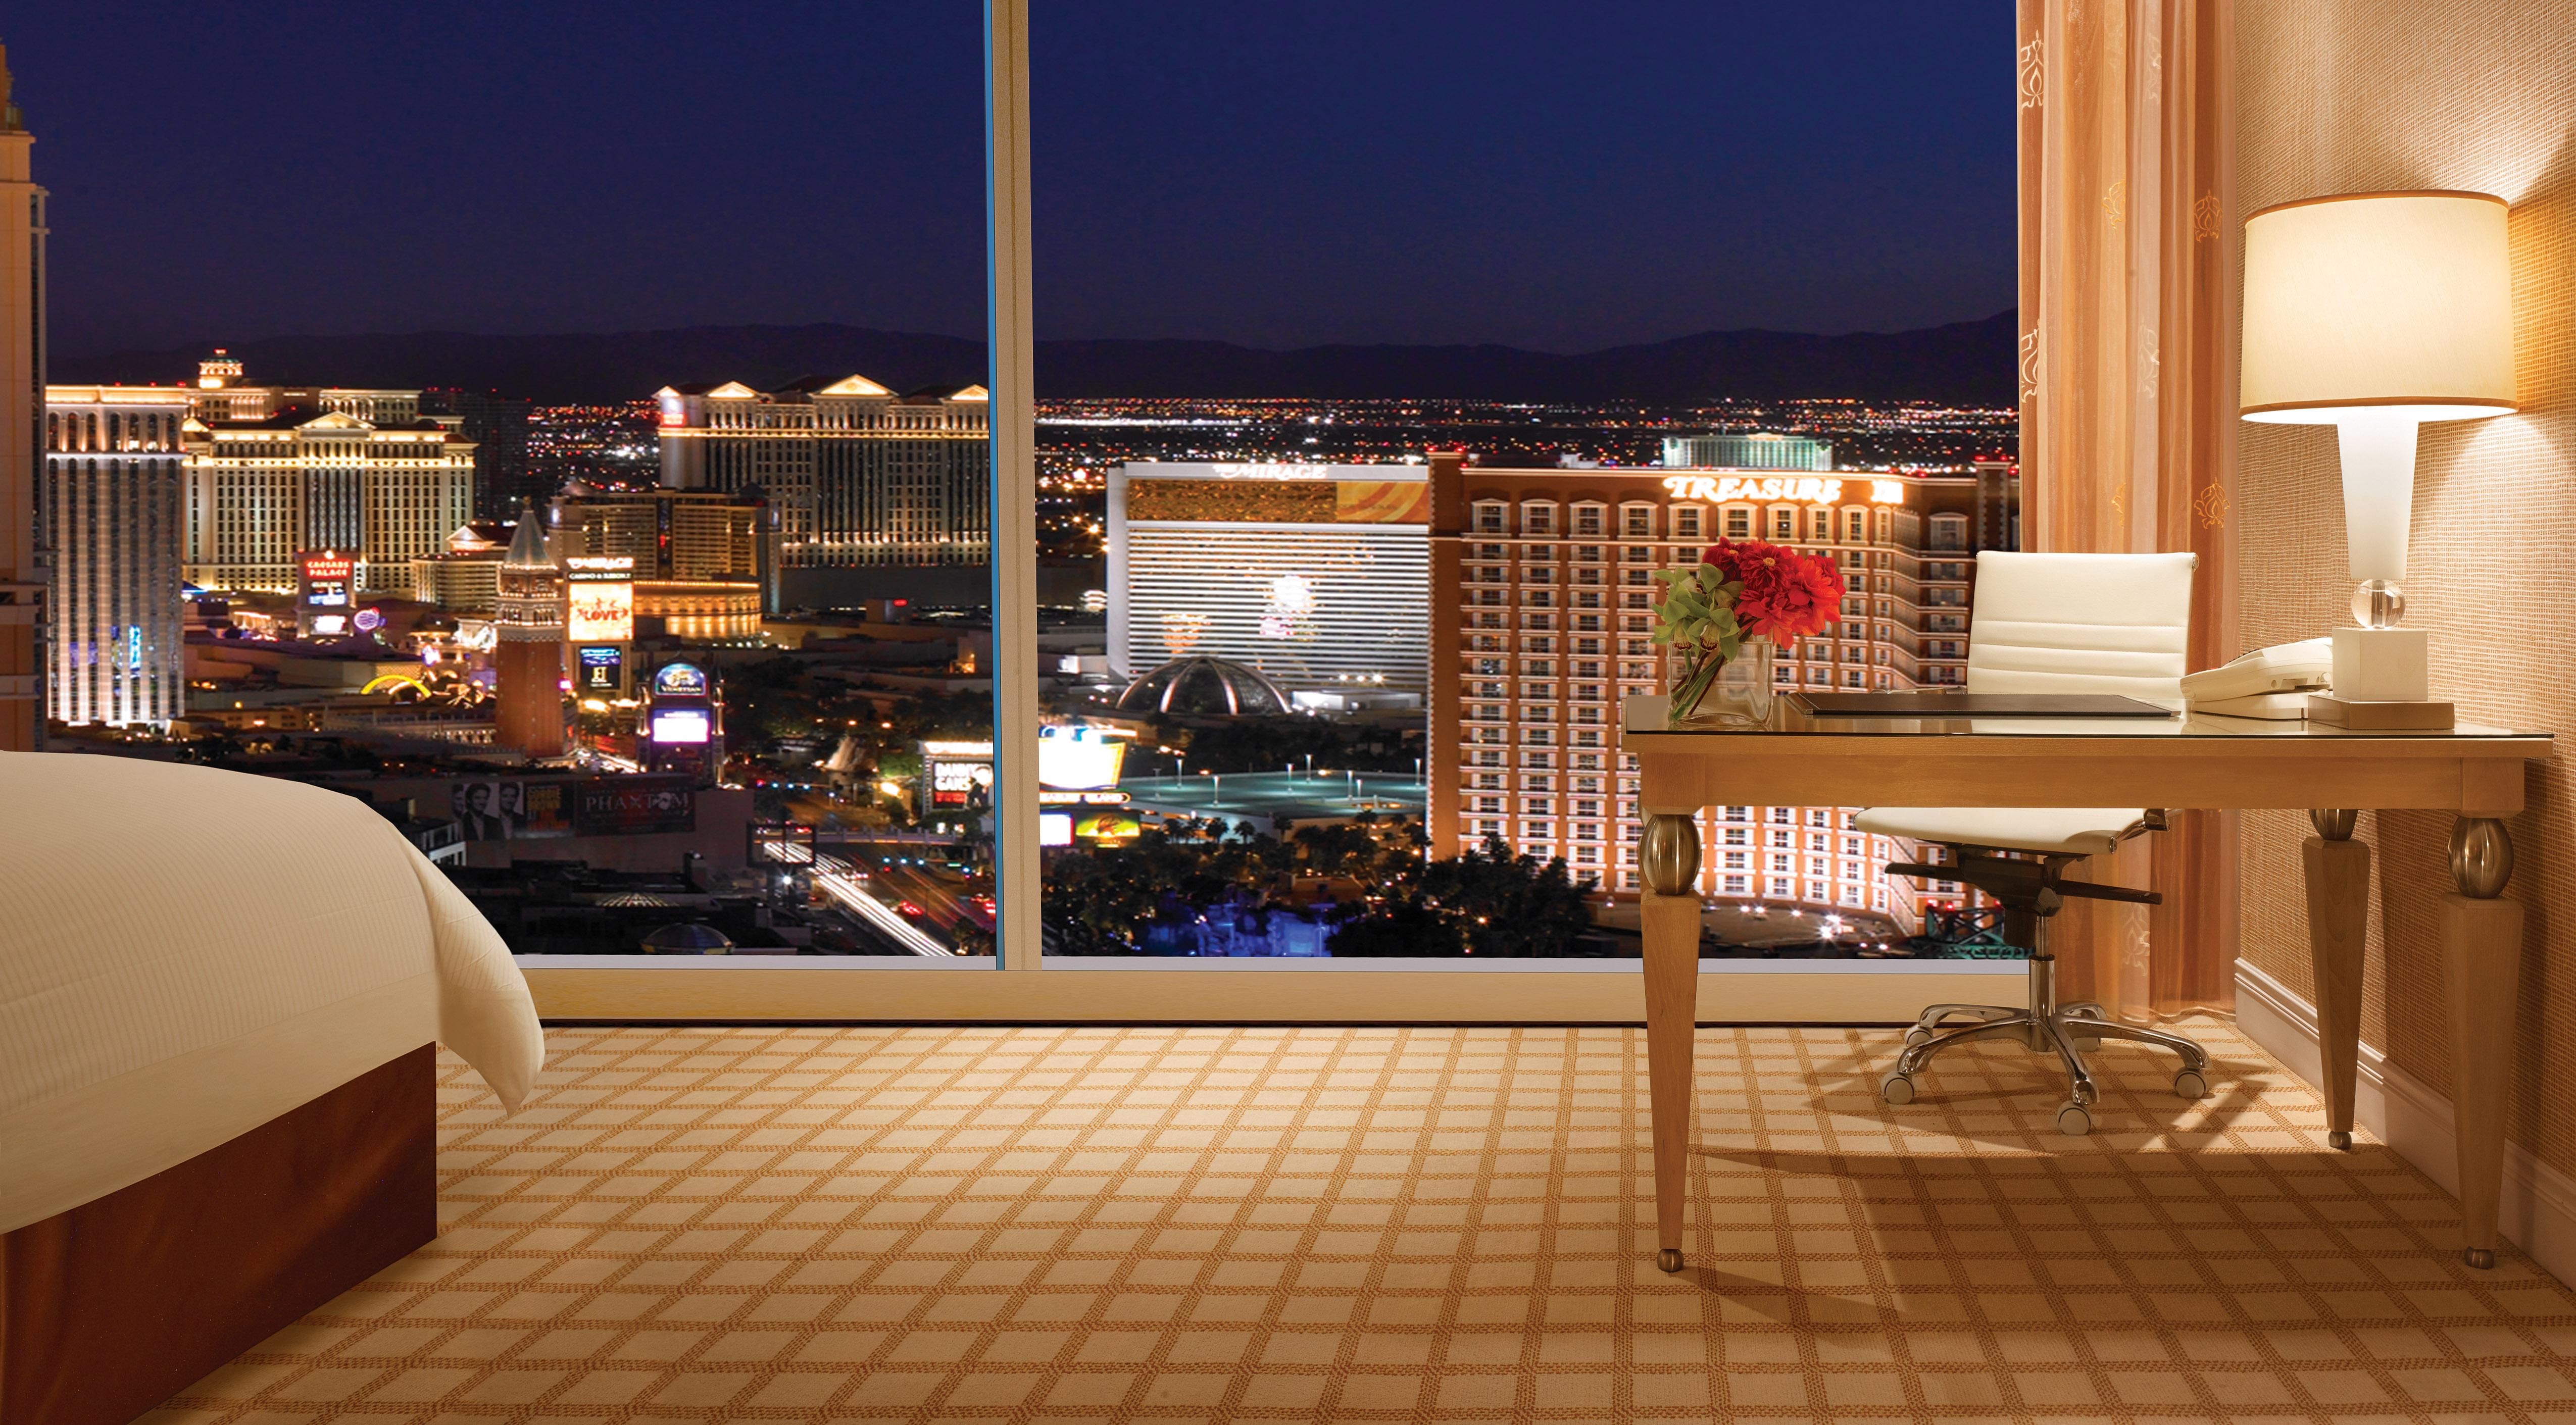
(529, 655)
(22, 376)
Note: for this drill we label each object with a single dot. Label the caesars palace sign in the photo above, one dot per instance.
(1799, 489)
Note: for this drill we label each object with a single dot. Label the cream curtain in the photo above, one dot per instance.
(2127, 436)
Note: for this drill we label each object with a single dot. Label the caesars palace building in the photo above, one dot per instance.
(1530, 609)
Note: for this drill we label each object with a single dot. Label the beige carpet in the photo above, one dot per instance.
(1044, 1225)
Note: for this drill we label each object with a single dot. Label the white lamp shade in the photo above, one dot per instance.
(2399, 302)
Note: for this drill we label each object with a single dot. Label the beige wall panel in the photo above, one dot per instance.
(2339, 96)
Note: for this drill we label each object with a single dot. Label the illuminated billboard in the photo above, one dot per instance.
(325, 578)
(678, 726)
(599, 592)
(960, 784)
(959, 774)
(1107, 826)
(1078, 758)
(680, 680)
(600, 669)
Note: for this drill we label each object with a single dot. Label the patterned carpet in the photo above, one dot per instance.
(1085, 1224)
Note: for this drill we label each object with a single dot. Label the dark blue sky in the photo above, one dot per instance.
(1562, 176)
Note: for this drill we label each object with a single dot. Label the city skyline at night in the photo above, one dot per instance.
(510, 646)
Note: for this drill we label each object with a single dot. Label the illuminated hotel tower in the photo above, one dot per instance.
(272, 470)
(530, 656)
(1542, 625)
(22, 380)
(859, 475)
(110, 519)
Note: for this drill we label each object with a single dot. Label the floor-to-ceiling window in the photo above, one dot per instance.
(1138, 493)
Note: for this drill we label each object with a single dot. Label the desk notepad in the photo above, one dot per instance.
(1937, 705)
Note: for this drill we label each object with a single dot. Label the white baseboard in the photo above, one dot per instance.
(2538, 1212)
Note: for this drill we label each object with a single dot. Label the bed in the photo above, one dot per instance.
(219, 996)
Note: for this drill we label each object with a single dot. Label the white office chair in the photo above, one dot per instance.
(2052, 623)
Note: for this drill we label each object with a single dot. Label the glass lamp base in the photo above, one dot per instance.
(2378, 603)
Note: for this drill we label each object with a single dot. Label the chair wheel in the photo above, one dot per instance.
(1896, 1088)
(1917, 1035)
(2189, 1084)
(2074, 1120)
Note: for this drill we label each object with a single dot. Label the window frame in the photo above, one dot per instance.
(1022, 984)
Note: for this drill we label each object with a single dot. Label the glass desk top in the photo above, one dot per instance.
(1644, 715)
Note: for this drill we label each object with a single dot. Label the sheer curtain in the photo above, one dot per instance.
(2128, 334)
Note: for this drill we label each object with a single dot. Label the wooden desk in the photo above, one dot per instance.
(2185, 762)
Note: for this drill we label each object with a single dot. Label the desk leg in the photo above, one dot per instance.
(1670, 923)
(2338, 923)
(2482, 973)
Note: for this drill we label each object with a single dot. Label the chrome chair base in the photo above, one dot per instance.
(2069, 1031)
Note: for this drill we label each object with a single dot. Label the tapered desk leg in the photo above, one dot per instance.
(1670, 924)
(2338, 923)
(2482, 973)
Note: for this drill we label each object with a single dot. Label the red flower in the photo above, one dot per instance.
(1786, 594)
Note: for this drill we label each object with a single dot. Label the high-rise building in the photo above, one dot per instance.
(859, 477)
(272, 470)
(114, 469)
(1541, 623)
(528, 655)
(705, 562)
(499, 427)
(1314, 575)
(467, 578)
(1758, 450)
(22, 380)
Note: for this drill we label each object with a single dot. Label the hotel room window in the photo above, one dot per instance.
(1686, 522)
(1590, 520)
(1739, 523)
(1637, 521)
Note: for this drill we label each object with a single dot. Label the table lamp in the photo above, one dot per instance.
(2373, 313)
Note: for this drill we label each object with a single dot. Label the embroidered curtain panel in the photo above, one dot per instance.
(2128, 338)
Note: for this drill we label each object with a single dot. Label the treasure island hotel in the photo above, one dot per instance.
(1540, 623)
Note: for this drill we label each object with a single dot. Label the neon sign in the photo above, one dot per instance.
(1799, 489)
(680, 680)
(600, 613)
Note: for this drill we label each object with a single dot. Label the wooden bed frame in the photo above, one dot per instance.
(111, 1308)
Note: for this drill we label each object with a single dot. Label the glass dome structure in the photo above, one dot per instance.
(1204, 687)
(688, 938)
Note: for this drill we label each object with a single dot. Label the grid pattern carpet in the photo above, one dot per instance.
(1379, 1224)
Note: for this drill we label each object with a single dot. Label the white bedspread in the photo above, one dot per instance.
(187, 953)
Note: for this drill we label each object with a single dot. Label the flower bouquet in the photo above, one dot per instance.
(1722, 618)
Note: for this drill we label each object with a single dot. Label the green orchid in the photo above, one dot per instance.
(1696, 618)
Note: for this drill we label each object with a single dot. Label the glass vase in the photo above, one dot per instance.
(1725, 692)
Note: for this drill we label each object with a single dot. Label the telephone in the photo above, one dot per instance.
(2269, 682)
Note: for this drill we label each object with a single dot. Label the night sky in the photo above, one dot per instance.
(1559, 176)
